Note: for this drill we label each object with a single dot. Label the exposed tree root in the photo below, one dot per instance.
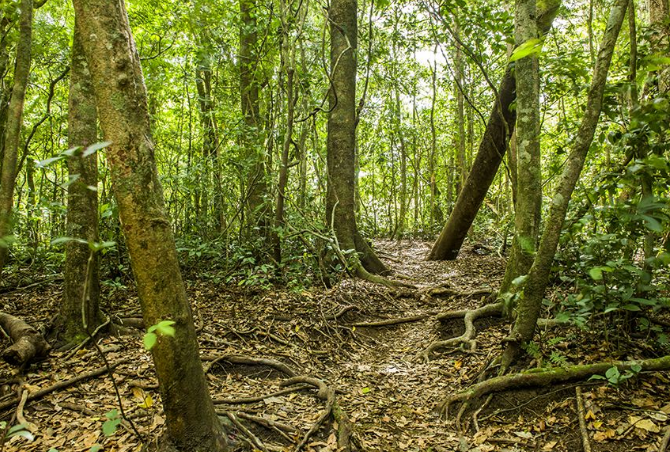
(544, 377)
(390, 322)
(28, 342)
(377, 279)
(467, 338)
(241, 400)
(442, 291)
(253, 439)
(332, 409)
(340, 313)
(63, 384)
(249, 360)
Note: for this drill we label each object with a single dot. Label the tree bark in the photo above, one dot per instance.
(342, 134)
(253, 155)
(530, 300)
(80, 311)
(528, 200)
(192, 424)
(491, 152)
(13, 129)
(28, 343)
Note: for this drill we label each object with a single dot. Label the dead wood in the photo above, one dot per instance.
(545, 377)
(249, 360)
(28, 342)
(63, 384)
(666, 439)
(586, 444)
(389, 322)
(467, 338)
(340, 313)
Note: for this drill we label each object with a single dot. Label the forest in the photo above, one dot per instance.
(341, 225)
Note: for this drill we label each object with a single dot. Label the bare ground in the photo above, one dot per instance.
(387, 390)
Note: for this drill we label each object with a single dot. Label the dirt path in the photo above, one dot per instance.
(388, 392)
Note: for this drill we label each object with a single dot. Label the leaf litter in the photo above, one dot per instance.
(389, 393)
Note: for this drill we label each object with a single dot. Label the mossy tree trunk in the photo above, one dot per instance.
(530, 300)
(528, 166)
(342, 134)
(80, 310)
(192, 424)
(13, 128)
(492, 149)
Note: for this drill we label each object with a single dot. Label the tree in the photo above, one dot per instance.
(192, 424)
(492, 149)
(80, 312)
(13, 128)
(342, 136)
(528, 200)
(530, 300)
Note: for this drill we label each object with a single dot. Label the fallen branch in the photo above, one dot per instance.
(467, 338)
(586, 444)
(28, 343)
(63, 384)
(249, 360)
(545, 377)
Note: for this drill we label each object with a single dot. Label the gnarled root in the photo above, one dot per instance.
(467, 338)
(544, 377)
(28, 343)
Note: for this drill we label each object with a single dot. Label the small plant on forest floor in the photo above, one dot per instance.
(614, 376)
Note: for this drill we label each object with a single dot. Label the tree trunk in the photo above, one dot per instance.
(80, 312)
(13, 130)
(192, 424)
(528, 165)
(253, 155)
(342, 134)
(491, 152)
(530, 301)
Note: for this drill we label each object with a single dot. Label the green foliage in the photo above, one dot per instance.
(111, 424)
(615, 378)
(162, 328)
(16, 430)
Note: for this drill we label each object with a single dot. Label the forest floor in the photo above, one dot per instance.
(384, 385)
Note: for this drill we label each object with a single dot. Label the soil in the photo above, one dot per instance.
(389, 392)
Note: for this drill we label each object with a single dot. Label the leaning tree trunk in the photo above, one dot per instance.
(528, 178)
(530, 301)
(13, 128)
(491, 152)
(342, 134)
(80, 311)
(192, 424)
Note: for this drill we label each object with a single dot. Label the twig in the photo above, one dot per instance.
(81, 345)
(582, 421)
(19, 413)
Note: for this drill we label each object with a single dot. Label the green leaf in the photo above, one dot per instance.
(596, 273)
(365, 390)
(60, 240)
(95, 448)
(49, 161)
(632, 307)
(150, 340)
(530, 47)
(652, 223)
(519, 280)
(165, 328)
(92, 149)
(112, 422)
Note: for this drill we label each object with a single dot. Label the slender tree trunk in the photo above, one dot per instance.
(528, 164)
(192, 424)
(530, 300)
(13, 130)
(342, 134)
(253, 153)
(460, 117)
(659, 18)
(436, 215)
(491, 152)
(80, 312)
